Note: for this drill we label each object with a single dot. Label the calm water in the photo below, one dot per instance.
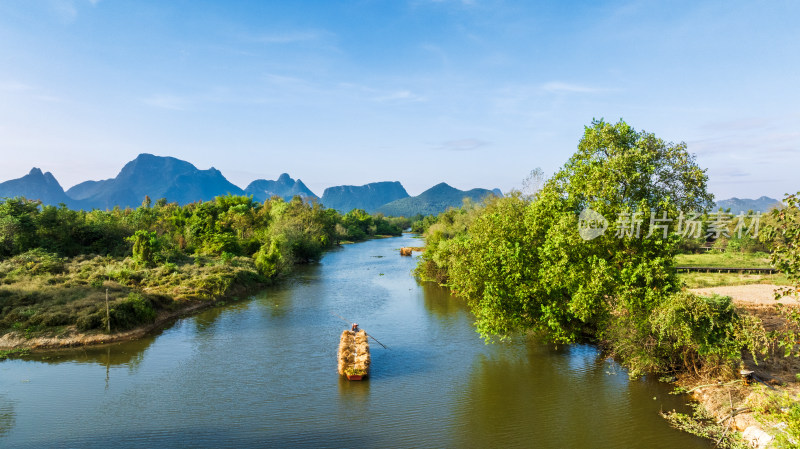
(262, 372)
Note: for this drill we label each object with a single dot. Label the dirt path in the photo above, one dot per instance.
(755, 294)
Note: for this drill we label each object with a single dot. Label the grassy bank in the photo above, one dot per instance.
(156, 261)
(733, 411)
(731, 259)
(43, 296)
(727, 259)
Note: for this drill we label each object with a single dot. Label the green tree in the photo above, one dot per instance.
(522, 265)
(783, 231)
(145, 247)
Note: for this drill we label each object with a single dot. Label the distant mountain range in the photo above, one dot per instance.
(736, 205)
(36, 185)
(285, 187)
(433, 201)
(368, 197)
(156, 177)
(180, 181)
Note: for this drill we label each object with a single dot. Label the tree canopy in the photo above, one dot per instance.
(521, 263)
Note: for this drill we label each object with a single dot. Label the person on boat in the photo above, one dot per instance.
(355, 327)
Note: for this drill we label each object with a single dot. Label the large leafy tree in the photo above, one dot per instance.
(522, 264)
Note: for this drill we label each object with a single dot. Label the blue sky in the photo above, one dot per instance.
(476, 93)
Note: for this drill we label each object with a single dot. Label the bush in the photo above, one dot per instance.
(133, 311)
(703, 333)
(90, 321)
(269, 260)
(38, 261)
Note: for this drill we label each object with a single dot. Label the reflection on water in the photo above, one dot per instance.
(262, 372)
(7, 416)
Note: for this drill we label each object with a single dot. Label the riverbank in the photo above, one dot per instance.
(763, 407)
(47, 306)
(75, 303)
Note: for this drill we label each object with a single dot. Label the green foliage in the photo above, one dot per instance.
(133, 311)
(270, 260)
(704, 332)
(782, 413)
(784, 233)
(421, 223)
(145, 247)
(703, 424)
(521, 264)
(38, 261)
(10, 353)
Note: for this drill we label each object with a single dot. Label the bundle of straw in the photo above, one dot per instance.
(347, 351)
(362, 358)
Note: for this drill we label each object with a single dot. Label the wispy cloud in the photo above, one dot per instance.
(65, 10)
(462, 145)
(14, 86)
(170, 102)
(560, 86)
(382, 95)
(463, 2)
(28, 90)
(399, 96)
(290, 37)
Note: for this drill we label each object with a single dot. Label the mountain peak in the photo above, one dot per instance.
(285, 187)
(35, 186)
(368, 197)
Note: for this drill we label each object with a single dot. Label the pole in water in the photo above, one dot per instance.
(108, 315)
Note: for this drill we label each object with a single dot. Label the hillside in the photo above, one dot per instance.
(433, 201)
(368, 197)
(36, 186)
(285, 187)
(156, 177)
(763, 204)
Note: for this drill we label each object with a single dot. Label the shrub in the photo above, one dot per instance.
(133, 311)
(90, 321)
(270, 260)
(38, 261)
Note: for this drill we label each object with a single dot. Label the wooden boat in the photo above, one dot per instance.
(354, 358)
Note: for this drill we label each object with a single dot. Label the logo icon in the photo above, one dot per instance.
(591, 224)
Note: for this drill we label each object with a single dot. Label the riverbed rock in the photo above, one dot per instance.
(757, 438)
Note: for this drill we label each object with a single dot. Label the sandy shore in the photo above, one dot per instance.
(755, 294)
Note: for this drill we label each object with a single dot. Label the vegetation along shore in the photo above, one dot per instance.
(525, 264)
(72, 278)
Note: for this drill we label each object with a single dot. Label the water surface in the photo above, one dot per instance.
(262, 372)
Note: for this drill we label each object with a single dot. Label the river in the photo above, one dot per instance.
(261, 371)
